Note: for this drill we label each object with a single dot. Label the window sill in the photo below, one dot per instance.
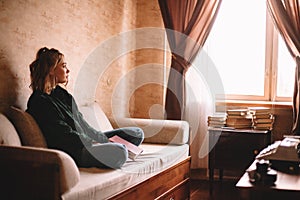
(229, 104)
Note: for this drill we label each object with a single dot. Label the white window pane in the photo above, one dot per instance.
(286, 71)
(237, 46)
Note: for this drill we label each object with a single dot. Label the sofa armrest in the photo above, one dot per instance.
(158, 131)
(37, 173)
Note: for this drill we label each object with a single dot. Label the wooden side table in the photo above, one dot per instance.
(287, 186)
(234, 149)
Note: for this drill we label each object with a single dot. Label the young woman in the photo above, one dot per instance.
(62, 124)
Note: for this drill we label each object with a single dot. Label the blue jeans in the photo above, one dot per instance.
(111, 155)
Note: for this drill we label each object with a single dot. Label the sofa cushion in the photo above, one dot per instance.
(159, 131)
(8, 133)
(95, 116)
(27, 128)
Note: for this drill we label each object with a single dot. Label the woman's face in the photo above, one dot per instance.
(61, 71)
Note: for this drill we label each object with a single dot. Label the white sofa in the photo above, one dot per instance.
(29, 170)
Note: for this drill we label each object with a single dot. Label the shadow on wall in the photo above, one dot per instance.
(8, 82)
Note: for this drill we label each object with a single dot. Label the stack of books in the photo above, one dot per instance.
(239, 119)
(263, 118)
(216, 121)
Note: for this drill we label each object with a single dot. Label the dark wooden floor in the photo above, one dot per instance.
(224, 190)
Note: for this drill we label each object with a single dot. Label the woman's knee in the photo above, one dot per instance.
(136, 133)
(140, 134)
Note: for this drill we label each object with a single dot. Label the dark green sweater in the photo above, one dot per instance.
(61, 122)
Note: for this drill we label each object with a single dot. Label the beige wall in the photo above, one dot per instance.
(78, 28)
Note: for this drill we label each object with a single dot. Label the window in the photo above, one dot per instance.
(244, 47)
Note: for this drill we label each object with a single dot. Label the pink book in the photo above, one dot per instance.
(133, 150)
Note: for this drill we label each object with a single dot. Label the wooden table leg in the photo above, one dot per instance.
(220, 174)
(211, 180)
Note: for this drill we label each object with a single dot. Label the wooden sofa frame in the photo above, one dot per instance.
(172, 183)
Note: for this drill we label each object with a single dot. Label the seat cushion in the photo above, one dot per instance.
(8, 133)
(96, 184)
(29, 132)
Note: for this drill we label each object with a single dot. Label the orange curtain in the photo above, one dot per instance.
(286, 17)
(188, 24)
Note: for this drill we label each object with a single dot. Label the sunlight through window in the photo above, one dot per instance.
(237, 46)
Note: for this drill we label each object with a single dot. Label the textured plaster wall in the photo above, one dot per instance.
(78, 28)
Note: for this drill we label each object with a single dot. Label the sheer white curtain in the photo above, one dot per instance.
(198, 108)
(203, 87)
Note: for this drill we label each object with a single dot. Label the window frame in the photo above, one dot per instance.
(271, 69)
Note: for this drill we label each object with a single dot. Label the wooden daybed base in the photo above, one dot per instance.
(172, 183)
